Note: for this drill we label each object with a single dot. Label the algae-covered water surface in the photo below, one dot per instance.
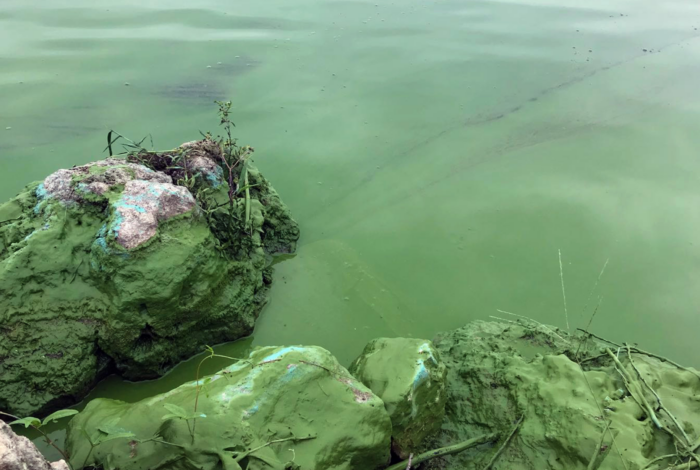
(437, 155)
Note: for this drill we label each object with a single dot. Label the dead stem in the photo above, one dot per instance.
(596, 451)
(462, 446)
(563, 291)
(505, 443)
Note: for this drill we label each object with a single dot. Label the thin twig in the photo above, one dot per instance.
(663, 359)
(337, 374)
(599, 337)
(505, 320)
(445, 451)
(596, 451)
(275, 441)
(684, 466)
(46, 438)
(8, 415)
(635, 390)
(600, 410)
(505, 443)
(600, 301)
(9, 220)
(659, 459)
(160, 441)
(658, 400)
(534, 321)
(588, 359)
(595, 286)
(75, 274)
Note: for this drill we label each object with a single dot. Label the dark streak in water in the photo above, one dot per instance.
(237, 67)
(83, 107)
(73, 129)
(210, 90)
(393, 32)
(192, 92)
(478, 120)
(497, 152)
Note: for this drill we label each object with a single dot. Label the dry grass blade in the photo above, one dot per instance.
(505, 444)
(585, 340)
(531, 320)
(595, 286)
(658, 399)
(462, 446)
(563, 291)
(635, 390)
(600, 338)
(596, 451)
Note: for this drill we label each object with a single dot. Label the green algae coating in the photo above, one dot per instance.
(76, 305)
(498, 373)
(409, 377)
(279, 393)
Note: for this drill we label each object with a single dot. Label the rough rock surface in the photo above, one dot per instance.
(143, 205)
(499, 372)
(111, 266)
(284, 408)
(409, 377)
(18, 453)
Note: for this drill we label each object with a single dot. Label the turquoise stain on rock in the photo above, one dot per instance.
(125, 205)
(278, 355)
(283, 399)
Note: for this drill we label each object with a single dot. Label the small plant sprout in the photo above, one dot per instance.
(106, 433)
(178, 412)
(233, 155)
(232, 159)
(199, 386)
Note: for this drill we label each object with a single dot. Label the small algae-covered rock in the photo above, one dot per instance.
(501, 373)
(283, 408)
(114, 266)
(408, 375)
(18, 453)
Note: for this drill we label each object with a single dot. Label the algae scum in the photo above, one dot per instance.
(130, 265)
(113, 266)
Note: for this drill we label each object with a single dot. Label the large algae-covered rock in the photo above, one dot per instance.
(498, 373)
(114, 266)
(409, 377)
(283, 408)
(18, 453)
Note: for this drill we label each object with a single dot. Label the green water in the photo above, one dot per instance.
(437, 154)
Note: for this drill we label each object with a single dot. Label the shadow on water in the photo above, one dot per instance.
(193, 92)
(208, 91)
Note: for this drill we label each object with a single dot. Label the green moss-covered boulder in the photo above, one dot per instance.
(283, 408)
(501, 373)
(408, 375)
(112, 266)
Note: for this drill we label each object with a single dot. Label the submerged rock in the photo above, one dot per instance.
(18, 453)
(283, 408)
(113, 266)
(498, 373)
(409, 377)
